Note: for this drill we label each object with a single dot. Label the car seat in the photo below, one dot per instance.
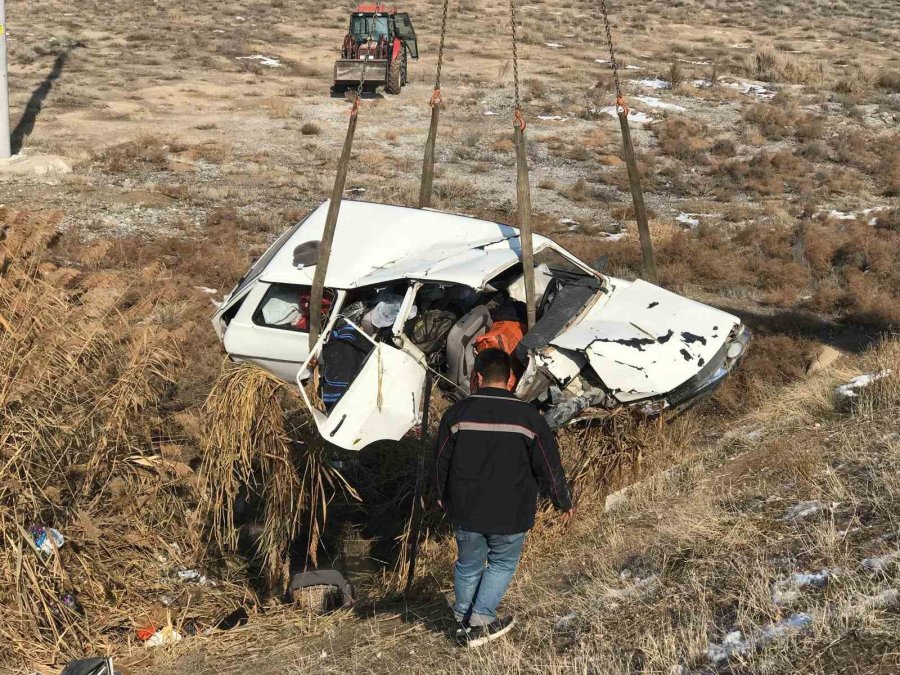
(461, 348)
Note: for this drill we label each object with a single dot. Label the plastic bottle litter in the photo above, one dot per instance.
(47, 539)
(164, 636)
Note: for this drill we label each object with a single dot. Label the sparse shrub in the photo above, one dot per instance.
(683, 138)
(890, 80)
(770, 65)
(676, 74)
(310, 129)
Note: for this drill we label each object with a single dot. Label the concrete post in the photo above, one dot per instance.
(5, 150)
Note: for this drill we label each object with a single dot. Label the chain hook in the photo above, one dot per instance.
(519, 119)
(436, 98)
(620, 105)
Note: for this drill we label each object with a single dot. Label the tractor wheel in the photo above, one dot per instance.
(394, 77)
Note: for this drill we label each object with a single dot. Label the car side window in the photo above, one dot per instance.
(286, 306)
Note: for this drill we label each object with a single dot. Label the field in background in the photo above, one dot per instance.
(771, 161)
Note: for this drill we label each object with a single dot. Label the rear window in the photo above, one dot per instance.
(286, 306)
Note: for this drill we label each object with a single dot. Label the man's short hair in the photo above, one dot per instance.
(493, 365)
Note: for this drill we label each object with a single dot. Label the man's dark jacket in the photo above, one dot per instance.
(493, 453)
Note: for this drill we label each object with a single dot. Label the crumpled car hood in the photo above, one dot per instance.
(644, 341)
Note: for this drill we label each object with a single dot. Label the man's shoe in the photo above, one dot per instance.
(479, 635)
(460, 634)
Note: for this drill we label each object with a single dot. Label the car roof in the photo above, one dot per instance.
(378, 243)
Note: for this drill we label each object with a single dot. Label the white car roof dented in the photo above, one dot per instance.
(378, 243)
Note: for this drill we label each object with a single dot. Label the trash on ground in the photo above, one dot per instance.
(92, 666)
(164, 636)
(194, 575)
(564, 621)
(652, 83)
(851, 389)
(47, 539)
(238, 617)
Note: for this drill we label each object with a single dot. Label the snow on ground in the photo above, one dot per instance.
(552, 118)
(554, 45)
(802, 510)
(263, 60)
(488, 113)
(572, 225)
(634, 115)
(787, 591)
(654, 102)
(881, 563)
(688, 219)
(633, 68)
(607, 236)
(735, 643)
(851, 389)
(750, 88)
(654, 83)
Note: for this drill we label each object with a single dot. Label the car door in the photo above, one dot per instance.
(382, 400)
(407, 33)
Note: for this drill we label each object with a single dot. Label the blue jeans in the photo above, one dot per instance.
(480, 589)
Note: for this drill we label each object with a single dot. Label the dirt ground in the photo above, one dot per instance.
(768, 138)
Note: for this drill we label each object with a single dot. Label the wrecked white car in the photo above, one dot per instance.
(409, 290)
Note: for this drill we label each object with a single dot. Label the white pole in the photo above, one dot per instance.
(5, 151)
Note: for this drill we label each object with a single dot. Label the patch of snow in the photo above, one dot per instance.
(851, 389)
(204, 289)
(572, 225)
(488, 113)
(263, 60)
(654, 83)
(554, 45)
(701, 84)
(615, 236)
(880, 563)
(601, 61)
(689, 219)
(654, 102)
(786, 591)
(634, 116)
(564, 621)
(552, 118)
(802, 510)
(633, 68)
(735, 644)
(750, 88)
(740, 46)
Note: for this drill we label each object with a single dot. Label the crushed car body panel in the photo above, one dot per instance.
(643, 341)
(377, 243)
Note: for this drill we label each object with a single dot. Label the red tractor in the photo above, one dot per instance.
(378, 42)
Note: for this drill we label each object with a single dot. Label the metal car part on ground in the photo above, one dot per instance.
(600, 343)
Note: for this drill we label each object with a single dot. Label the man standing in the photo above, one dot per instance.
(492, 455)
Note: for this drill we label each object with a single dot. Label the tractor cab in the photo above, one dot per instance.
(376, 49)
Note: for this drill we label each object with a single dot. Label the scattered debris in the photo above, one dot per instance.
(194, 575)
(47, 539)
(750, 88)
(263, 60)
(93, 666)
(164, 636)
(734, 643)
(886, 599)
(851, 389)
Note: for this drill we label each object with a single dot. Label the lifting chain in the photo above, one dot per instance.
(436, 98)
(620, 99)
(515, 41)
(362, 78)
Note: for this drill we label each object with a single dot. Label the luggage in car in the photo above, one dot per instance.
(343, 356)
